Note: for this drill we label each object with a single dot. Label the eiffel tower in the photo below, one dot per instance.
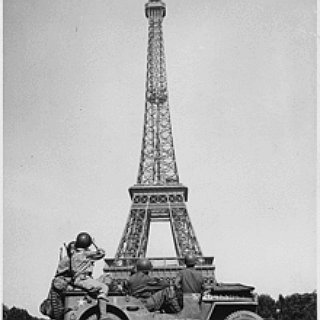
(158, 194)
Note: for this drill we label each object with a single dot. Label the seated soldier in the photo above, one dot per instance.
(154, 293)
(82, 262)
(190, 280)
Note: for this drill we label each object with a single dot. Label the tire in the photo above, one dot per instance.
(91, 317)
(243, 315)
(95, 316)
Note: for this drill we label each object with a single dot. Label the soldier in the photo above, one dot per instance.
(189, 280)
(82, 263)
(154, 293)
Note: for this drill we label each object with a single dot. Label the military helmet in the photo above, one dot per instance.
(190, 260)
(70, 247)
(83, 240)
(144, 265)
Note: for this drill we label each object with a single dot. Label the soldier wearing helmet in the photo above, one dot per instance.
(189, 280)
(83, 240)
(144, 265)
(154, 293)
(82, 263)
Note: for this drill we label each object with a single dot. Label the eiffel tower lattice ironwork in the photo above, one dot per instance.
(158, 195)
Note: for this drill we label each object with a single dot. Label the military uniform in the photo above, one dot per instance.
(189, 280)
(155, 294)
(82, 263)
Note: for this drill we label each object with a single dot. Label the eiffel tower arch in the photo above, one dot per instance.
(158, 194)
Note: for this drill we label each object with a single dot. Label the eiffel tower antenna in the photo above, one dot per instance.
(158, 195)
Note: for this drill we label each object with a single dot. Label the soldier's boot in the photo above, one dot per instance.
(103, 309)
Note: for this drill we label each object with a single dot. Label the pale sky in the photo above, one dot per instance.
(242, 93)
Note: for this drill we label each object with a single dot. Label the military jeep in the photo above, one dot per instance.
(220, 301)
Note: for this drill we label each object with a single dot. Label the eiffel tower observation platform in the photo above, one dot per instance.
(143, 189)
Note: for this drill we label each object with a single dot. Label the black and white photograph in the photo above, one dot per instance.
(159, 160)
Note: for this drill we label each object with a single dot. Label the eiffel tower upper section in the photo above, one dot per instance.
(158, 163)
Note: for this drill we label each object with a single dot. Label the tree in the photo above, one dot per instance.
(298, 306)
(266, 306)
(5, 311)
(17, 314)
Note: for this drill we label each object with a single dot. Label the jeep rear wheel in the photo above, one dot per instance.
(113, 312)
(243, 315)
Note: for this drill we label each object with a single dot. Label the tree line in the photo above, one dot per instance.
(17, 314)
(293, 307)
